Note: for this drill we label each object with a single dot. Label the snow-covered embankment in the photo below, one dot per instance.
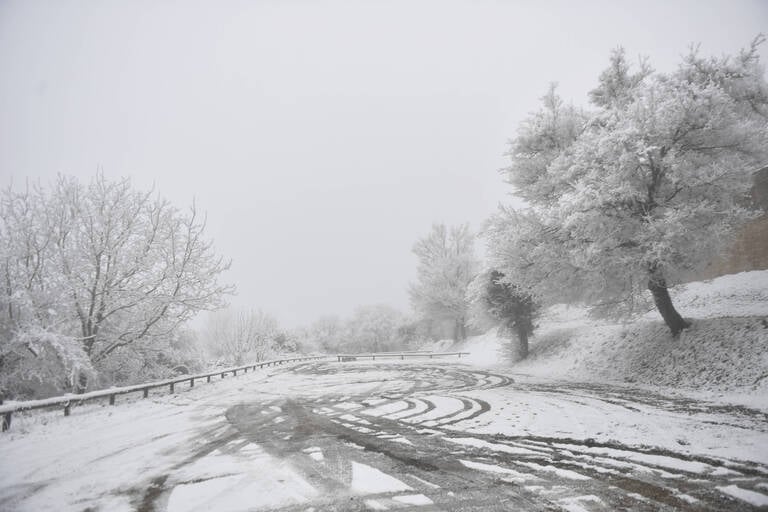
(725, 350)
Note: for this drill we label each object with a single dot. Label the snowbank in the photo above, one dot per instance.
(726, 349)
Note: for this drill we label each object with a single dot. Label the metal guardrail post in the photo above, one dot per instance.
(172, 387)
(146, 392)
(66, 408)
(112, 399)
(6, 421)
(192, 382)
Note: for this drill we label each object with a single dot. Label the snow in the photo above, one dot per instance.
(484, 349)
(563, 473)
(428, 484)
(686, 497)
(742, 294)
(724, 352)
(413, 499)
(369, 480)
(576, 504)
(492, 468)
(241, 492)
(349, 406)
(656, 460)
(420, 406)
(443, 405)
(479, 443)
(167, 437)
(145, 439)
(532, 409)
(375, 505)
(753, 498)
(201, 495)
(438, 346)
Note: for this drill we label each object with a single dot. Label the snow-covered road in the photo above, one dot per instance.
(390, 436)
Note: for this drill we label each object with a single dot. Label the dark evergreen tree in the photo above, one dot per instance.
(512, 306)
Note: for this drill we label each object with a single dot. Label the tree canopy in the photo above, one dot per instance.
(98, 267)
(639, 191)
(447, 265)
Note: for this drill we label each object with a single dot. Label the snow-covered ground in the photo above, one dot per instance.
(724, 353)
(57, 463)
(387, 435)
(594, 421)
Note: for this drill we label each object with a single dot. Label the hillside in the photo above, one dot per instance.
(726, 349)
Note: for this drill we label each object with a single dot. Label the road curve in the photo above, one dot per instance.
(389, 436)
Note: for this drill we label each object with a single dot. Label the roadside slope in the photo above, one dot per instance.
(726, 349)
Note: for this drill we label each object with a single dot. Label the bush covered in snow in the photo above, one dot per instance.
(37, 362)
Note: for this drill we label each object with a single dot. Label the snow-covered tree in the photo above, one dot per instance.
(411, 334)
(326, 333)
(241, 336)
(640, 191)
(181, 352)
(372, 328)
(286, 341)
(447, 264)
(102, 264)
(37, 362)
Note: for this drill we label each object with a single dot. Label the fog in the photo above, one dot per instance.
(321, 138)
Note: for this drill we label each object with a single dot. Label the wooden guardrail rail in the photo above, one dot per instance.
(397, 355)
(66, 401)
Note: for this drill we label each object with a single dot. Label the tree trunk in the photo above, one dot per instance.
(82, 383)
(459, 330)
(658, 287)
(522, 337)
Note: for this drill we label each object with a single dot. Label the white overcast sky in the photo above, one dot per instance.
(321, 137)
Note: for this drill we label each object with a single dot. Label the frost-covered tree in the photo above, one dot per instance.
(411, 334)
(326, 333)
(447, 264)
(240, 336)
(640, 191)
(372, 328)
(286, 341)
(39, 362)
(179, 353)
(102, 264)
(540, 140)
(508, 304)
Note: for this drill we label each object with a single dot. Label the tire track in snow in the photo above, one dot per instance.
(450, 469)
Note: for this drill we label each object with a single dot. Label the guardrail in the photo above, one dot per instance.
(396, 355)
(111, 393)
